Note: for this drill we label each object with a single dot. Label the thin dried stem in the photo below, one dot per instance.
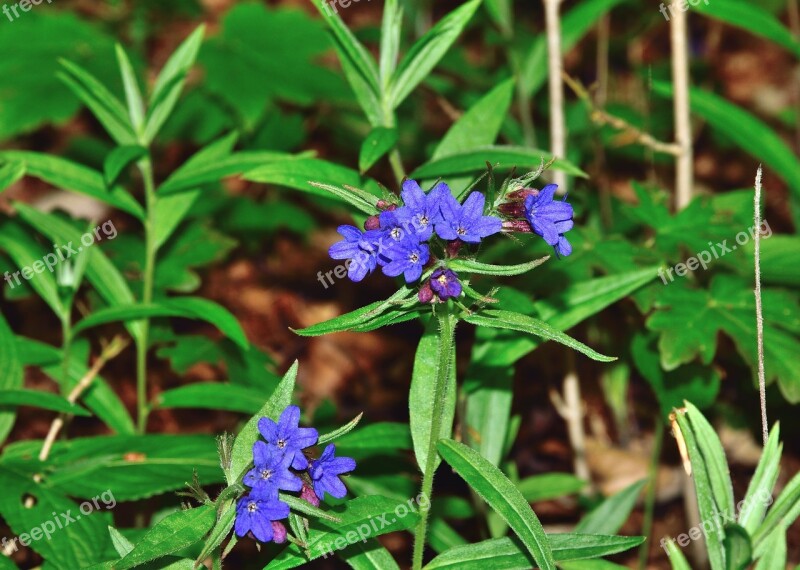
(684, 176)
(109, 352)
(558, 131)
(762, 382)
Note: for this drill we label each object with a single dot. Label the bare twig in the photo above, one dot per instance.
(762, 383)
(558, 134)
(109, 352)
(683, 127)
(570, 408)
(601, 117)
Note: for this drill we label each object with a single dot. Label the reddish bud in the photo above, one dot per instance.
(425, 294)
(372, 223)
(309, 496)
(453, 247)
(278, 532)
(517, 226)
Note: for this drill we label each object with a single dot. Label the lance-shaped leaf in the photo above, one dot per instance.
(12, 377)
(473, 266)
(503, 496)
(515, 321)
(39, 399)
(502, 157)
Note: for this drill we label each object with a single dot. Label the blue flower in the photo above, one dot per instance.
(255, 513)
(420, 210)
(407, 257)
(550, 219)
(466, 221)
(286, 437)
(325, 473)
(445, 284)
(271, 472)
(361, 248)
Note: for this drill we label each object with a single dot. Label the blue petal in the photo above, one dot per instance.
(473, 205)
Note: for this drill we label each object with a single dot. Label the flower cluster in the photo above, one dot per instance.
(399, 239)
(280, 464)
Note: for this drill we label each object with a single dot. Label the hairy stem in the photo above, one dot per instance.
(762, 381)
(447, 327)
(558, 131)
(146, 168)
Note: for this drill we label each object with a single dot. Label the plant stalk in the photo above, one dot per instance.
(146, 168)
(447, 327)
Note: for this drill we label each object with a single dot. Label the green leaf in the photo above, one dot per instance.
(369, 555)
(783, 513)
(12, 377)
(550, 486)
(169, 84)
(574, 26)
(200, 172)
(185, 307)
(759, 490)
(100, 101)
(748, 17)
(354, 319)
(344, 430)
(705, 495)
(119, 159)
(508, 554)
(774, 551)
(380, 437)
(479, 125)
(11, 173)
(39, 399)
(745, 130)
(714, 458)
(500, 319)
(421, 398)
(501, 494)
(75, 177)
(427, 51)
(121, 544)
(31, 94)
(242, 454)
(473, 266)
(738, 550)
(220, 532)
(361, 518)
(676, 558)
(689, 320)
(320, 178)
(379, 141)
(133, 466)
(612, 513)
(503, 157)
(170, 535)
(79, 544)
(133, 96)
(212, 396)
(391, 26)
(106, 279)
(357, 64)
(25, 252)
(303, 506)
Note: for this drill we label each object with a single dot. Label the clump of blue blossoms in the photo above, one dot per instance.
(281, 463)
(419, 236)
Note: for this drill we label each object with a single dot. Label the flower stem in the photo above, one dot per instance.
(447, 329)
(146, 168)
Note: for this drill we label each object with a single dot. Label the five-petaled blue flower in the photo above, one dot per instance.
(271, 471)
(325, 473)
(255, 513)
(406, 257)
(286, 437)
(420, 210)
(361, 248)
(466, 221)
(445, 284)
(550, 219)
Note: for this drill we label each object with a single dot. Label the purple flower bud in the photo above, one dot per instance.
(278, 532)
(425, 294)
(372, 223)
(446, 284)
(517, 226)
(308, 495)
